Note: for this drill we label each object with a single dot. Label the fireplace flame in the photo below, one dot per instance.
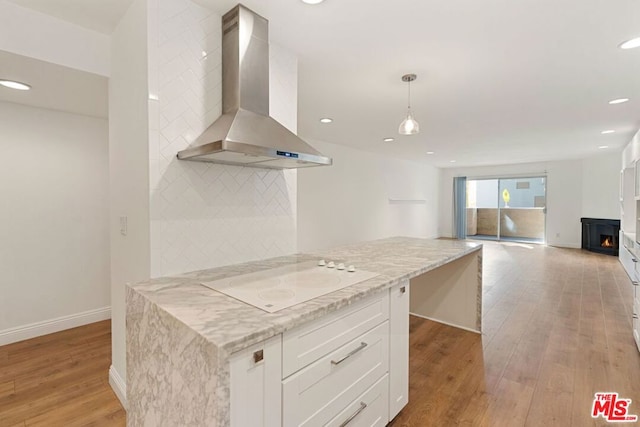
(607, 242)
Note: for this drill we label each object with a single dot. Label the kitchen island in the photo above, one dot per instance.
(183, 338)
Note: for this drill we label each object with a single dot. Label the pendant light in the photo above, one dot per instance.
(409, 125)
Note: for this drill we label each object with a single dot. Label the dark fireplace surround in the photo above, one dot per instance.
(600, 235)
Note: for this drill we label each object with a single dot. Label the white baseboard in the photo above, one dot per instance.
(37, 329)
(565, 245)
(118, 385)
(446, 323)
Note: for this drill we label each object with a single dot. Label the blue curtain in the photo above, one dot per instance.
(460, 207)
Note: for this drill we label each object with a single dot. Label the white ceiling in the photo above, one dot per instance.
(499, 81)
(97, 15)
(53, 86)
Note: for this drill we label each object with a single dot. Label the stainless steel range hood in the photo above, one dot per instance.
(245, 134)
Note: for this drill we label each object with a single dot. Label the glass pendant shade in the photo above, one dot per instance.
(409, 126)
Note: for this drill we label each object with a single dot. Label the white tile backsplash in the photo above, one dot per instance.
(205, 215)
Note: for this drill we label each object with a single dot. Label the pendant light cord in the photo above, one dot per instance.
(409, 99)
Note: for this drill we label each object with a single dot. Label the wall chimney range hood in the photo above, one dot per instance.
(245, 134)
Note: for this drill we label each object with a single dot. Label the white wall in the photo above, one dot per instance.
(36, 35)
(129, 168)
(184, 216)
(631, 151)
(601, 187)
(54, 255)
(350, 201)
(630, 154)
(207, 215)
(570, 193)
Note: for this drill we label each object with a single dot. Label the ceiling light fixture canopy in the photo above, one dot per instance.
(409, 125)
(12, 84)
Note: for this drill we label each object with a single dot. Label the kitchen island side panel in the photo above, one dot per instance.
(451, 294)
(173, 376)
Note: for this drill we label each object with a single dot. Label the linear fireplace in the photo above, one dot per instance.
(600, 235)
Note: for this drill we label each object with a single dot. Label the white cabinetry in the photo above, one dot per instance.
(627, 259)
(399, 348)
(637, 180)
(368, 410)
(314, 395)
(309, 342)
(636, 315)
(255, 374)
(350, 366)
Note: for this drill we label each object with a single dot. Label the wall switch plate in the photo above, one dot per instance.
(123, 225)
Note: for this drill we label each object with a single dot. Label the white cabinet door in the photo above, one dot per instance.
(398, 348)
(255, 385)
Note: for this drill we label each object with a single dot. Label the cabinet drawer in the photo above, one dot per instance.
(368, 410)
(314, 395)
(306, 344)
(627, 261)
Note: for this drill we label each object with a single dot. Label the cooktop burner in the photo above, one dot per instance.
(278, 288)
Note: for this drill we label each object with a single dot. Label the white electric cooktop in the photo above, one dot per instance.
(278, 288)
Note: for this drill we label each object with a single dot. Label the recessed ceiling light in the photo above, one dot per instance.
(630, 44)
(618, 101)
(388, 139)
(604, 132)
(602, 147)
(326, 120)
(430, 152)
(14, 85)
(452, 161)
(312, 1)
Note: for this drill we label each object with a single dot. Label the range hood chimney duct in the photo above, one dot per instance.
(245, 134)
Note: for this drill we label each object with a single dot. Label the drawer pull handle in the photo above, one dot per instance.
(635, 316)
(634, 260)
(355, 414)
(258, 356)
(635, 283)
(403, 289)
(351, 353)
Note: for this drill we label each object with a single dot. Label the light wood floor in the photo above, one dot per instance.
(59, 380)
(557, 329)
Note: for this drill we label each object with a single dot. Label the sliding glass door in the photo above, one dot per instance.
(507, 209)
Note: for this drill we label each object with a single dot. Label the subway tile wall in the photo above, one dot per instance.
(205, 215)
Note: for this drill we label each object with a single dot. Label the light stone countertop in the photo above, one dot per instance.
(231, 325)
(180, 334)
